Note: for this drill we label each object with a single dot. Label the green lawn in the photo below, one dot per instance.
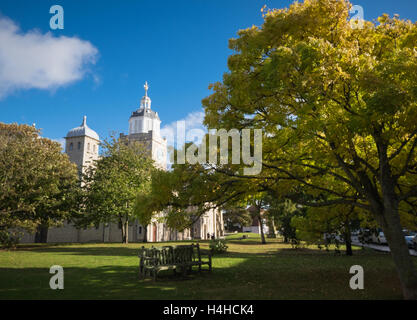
(248, 271)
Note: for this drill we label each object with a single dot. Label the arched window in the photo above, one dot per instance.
(88, 146)
(79, 145)
(94, 147)
(71, 146)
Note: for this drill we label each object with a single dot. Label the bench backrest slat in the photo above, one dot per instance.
(171, 255)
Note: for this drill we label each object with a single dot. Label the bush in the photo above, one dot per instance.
(296, 244)
(218, 246)
(332, 238)
(9, 239)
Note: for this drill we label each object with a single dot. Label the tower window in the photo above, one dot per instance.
(88, 146)
(71, 146)
(79, 145)
(94, 147)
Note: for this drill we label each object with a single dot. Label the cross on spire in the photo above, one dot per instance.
(145, 102)
(146, 88)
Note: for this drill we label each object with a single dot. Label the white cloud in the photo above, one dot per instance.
(42, 61)
(194, 128)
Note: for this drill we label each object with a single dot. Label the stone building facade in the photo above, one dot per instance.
(82, 147)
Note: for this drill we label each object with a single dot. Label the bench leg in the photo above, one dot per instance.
(155, 272)
(140, 268)
(141, 272)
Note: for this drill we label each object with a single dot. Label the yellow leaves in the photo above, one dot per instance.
(320, 88)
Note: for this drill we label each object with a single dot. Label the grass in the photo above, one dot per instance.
(248, 270)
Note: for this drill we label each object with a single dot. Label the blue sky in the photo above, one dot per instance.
(179, 47)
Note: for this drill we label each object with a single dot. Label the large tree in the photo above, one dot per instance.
(338, 106)
(38, 183)
(111, 185)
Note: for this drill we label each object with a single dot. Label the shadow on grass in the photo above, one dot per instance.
(105, 282)
(283, 273)
(251, 277)
(132, 250)
(103, 249)
(91, 251)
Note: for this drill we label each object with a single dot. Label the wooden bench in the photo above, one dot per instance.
(181, 257)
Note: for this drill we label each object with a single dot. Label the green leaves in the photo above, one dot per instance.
(327, 96)
(38, 183)
(111, 186)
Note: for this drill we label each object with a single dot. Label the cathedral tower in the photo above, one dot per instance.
(144, 126)
(81, 145)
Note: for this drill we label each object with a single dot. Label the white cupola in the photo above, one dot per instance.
(144, 119)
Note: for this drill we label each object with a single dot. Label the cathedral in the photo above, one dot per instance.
(82, 147)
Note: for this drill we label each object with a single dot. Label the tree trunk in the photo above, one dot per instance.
(192, 231)
(387, 214)
(271, 226)
(262, 228)
(41, 235)
(348, 239)
(348, 243)
(104, 231)
(390, 223)
(125, 232)
(145, 233)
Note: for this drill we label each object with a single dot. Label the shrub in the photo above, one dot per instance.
(218, 246)
(9, 239)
